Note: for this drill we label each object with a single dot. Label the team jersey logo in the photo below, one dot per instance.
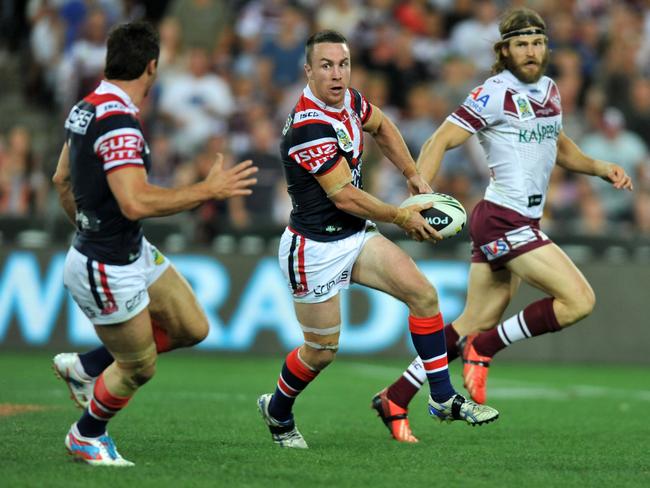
(314, 154)
(344, 140)
(523, 106)
(78, 120)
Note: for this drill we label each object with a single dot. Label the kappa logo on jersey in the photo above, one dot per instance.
(314, 154)
(120, 146)
(78, 120)
(476, 101)
(523, 106)
(344, 140)
(495, 249)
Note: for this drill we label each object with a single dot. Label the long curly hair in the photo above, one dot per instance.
(514, 20)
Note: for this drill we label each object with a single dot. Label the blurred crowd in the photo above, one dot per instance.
(230, 72)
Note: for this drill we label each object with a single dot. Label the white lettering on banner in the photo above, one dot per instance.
(35, 300)
(265, 304)
(34, 303)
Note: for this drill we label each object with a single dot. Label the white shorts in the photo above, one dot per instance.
(110, 294)
(316, 271)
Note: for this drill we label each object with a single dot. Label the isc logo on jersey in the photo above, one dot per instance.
(119, 145)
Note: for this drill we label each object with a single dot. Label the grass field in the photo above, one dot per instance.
(196, 424)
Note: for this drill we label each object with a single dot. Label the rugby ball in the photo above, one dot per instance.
(447, 215)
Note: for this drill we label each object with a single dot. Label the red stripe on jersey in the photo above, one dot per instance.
(126, 165)
(298, 368)
(426, 325)
(435, 364)
(469, 118)
(336, 165)
(96, 98)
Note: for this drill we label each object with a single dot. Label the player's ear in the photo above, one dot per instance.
(152, 67)
(308, 71)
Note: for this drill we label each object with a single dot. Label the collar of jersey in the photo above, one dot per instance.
(106, 87)
(322, 105)
(529, 86)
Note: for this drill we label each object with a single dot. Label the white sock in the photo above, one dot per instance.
(513, 329)
(415, 373)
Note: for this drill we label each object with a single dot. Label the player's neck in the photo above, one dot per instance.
(135, 89)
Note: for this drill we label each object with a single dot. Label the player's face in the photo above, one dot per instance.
(329, 72)
(527, 57)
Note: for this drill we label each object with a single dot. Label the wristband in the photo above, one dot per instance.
(402, 216)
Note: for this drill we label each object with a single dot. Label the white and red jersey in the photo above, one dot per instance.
(104, 135)
(518, 125)
(314, 137)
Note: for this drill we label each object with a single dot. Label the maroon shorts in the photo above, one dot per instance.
(500, 234)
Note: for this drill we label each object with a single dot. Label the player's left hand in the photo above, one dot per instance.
(617, 176)
(417, 185)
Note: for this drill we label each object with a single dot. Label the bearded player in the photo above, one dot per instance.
(517, 116)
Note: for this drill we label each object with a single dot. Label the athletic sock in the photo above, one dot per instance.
(295, 377)
(94, 362)
(536, 319)
(451, 340)
(402, 391)
(102, 407)
(429, 341)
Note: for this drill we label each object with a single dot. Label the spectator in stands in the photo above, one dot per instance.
(473, 38)
(83, 66)
(342, 15)
(613, 141)
(256, 213)
(204, 23)
(23, 186)
(197, 102)
(637, 111)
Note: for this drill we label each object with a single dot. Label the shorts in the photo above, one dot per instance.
(316, 271)
(500, 234)
(111, 294)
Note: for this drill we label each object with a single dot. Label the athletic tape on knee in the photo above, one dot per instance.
(322, 332)
(322, 347)
(137, 359)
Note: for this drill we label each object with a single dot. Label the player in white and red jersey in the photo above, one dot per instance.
(331, 241)
(517, 117)
(139, 304)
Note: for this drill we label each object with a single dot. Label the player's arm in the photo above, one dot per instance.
(392, 144)
(337, 184)
(447, 136)
(139, 199)
(63, 184)
(570, 157)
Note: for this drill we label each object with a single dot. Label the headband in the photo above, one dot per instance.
(526, 31)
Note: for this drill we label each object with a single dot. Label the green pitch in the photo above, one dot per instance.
(196, 424)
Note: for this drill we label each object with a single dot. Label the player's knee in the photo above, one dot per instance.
(585, 302)
(199, 332)
(424, 300)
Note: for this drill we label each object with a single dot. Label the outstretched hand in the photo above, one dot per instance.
(233, 182)
(617, 176)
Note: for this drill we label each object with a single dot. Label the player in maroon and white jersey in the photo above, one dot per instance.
(517, 117)
(331, 241)
(139, 304)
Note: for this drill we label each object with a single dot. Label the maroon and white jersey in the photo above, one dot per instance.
(104, 135)
(314, 137)
(518, 125)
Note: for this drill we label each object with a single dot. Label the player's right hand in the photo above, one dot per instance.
(232, 182)
(417, 227)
